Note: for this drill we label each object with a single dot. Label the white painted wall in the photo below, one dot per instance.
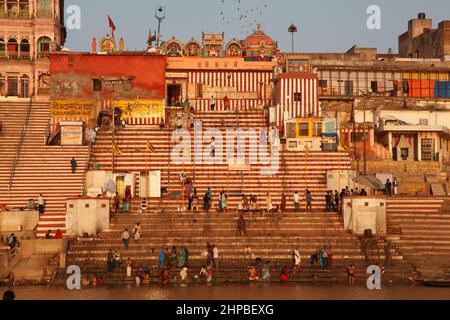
(358, 216)
(18, 220)
(91, 219)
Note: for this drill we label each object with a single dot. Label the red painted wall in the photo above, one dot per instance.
(147, 69)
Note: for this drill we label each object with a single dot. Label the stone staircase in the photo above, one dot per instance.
(272, 238)
(12, 117)
(297, 171)
(419, 230)
(438, 183)
(45, 169)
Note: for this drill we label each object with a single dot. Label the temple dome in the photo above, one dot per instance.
(257, 38)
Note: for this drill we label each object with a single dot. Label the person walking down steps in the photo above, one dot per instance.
(73, 165)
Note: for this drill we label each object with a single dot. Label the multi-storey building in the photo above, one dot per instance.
(29, 31)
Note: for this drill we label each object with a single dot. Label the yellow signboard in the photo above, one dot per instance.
(143, 109)
(73, 108)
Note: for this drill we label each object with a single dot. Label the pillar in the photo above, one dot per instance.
(419, 147)
(390, 144)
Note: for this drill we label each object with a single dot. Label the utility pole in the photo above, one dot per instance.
(353, 122)
(113, 139)
(365, 137)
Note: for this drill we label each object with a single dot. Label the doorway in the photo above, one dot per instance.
(143, 184)
(120, 187)
(174, 94)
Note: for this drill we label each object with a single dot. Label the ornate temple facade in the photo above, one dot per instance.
(30, 30)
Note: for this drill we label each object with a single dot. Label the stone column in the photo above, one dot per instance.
(390, 145)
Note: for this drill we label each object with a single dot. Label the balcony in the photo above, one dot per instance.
(43, 54)
(44, 13)
(15, 55)
(15, 14)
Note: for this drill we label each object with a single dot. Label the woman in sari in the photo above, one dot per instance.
(321, 259)
(187, 192)
(181, 258)
(284, 277)
(283, 204)
(173, 258)
(297, 259)
(219, 203)
(224, 201)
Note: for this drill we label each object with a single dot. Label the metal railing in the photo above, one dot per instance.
(47, 132)
(86, 168)
(19, 146)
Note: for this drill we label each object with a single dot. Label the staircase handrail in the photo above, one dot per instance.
(47, 132)
(86, 168)
(19, 146)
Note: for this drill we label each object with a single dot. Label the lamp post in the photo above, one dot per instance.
(160, 15)
(292, 29)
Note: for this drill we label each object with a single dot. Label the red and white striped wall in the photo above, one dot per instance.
(233, 104)
(242, 81)
(287, 86)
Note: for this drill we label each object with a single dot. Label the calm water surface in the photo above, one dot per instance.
(234, 292)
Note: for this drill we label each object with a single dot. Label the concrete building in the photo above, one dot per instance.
(422, 41)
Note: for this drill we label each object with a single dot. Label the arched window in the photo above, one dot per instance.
(44, 8)
(2, 48)
(43, 46)
(24, 48)
(13, 48)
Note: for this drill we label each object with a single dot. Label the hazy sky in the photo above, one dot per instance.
(324, 25)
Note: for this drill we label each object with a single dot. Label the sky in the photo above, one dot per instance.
(323, 25)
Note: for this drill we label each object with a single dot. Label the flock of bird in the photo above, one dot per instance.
(246, 13)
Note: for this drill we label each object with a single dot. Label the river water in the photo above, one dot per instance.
(234, 292)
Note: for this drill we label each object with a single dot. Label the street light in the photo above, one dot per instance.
(292, 29)
(160, 14)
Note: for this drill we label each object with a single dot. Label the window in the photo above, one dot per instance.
(323, 84)
(303, 129)
(97, 83)
(297, 97)
(2, 48)
(13, 48)
(43, 4)
(348, 87)
(24, 86)
(404, 152)
(44, 44)
(427, 149)
(13, 87)
(317, 129)
(25, 48)
(199, 93)
(374, 86)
